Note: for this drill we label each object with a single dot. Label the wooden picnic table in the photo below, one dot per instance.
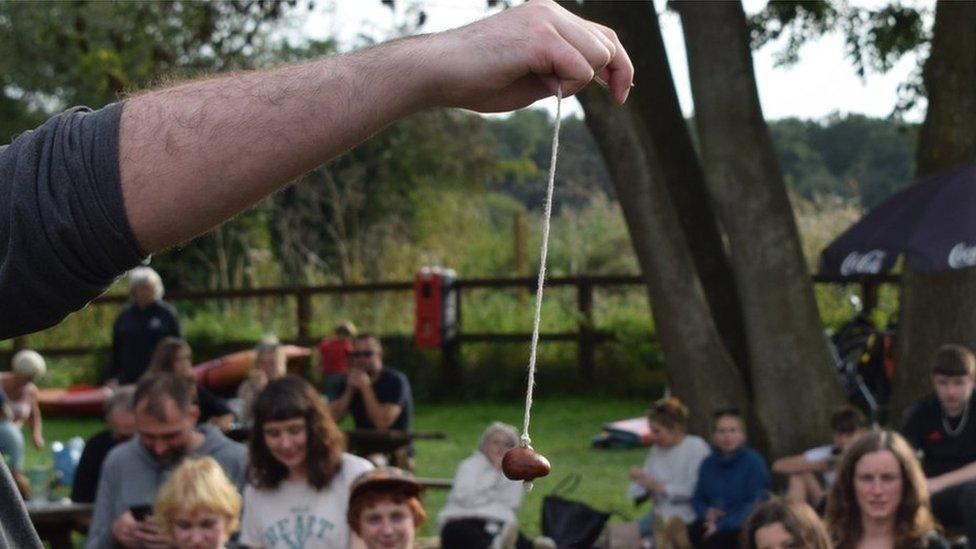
(55, 520)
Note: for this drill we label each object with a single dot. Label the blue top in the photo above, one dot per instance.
(734, 483)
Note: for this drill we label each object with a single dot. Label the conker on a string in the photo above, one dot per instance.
(524, 463)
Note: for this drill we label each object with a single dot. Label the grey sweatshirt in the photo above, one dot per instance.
(131, 476)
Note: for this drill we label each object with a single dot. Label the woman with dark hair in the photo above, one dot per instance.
(299, 477)
(880, 498)
(174, 355)
(782, 524)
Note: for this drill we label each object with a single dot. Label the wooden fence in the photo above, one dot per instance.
(586, 335)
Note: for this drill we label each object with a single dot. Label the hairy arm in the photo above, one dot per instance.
(958, 476)
(203, 151)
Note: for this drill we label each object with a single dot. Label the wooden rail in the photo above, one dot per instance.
(587, 336)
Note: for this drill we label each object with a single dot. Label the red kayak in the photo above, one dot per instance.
(220, 374)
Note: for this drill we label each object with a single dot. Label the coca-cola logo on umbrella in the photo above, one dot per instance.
(866, 263)
(961, 256)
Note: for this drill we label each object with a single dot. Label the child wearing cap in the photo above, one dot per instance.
(385, 509)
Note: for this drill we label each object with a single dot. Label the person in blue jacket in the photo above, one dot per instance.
(731, 481)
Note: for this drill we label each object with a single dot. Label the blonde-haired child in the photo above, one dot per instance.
(198, 506)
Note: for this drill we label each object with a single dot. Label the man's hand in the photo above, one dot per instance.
(523, 54)
(713, 514)
(637, 474)
(38, 441)
(149, 536)
(224, 143)
(125, 530)
(358, 379)
(710, 529)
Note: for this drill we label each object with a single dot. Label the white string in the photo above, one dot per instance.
(547, 215)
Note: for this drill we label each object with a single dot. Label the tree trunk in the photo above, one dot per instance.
(663, 128)
(700, 371)
(937, 308)
(793, 383)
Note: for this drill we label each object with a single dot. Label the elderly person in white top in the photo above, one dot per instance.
(669, 474)
(481, 509)
(26, 367)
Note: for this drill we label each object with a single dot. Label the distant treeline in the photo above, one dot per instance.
(859, 159)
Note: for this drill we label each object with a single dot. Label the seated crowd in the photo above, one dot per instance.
(164, 473)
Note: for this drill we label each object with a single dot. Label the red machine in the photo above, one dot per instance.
(436, 307)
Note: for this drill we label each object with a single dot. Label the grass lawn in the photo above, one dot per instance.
(561, 429)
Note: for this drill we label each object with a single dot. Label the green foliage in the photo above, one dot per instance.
(854, 158)
(875, 37)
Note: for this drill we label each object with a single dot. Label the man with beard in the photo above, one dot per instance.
(941, 428)
(166, 432)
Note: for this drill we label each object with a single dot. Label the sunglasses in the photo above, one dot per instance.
(364, 354)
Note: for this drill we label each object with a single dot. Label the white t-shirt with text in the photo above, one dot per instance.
(296, 516)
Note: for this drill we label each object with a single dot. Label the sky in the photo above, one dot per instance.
(822, 83)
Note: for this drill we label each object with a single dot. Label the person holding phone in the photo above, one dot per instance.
(166, 433)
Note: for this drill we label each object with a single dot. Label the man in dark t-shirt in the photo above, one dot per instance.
(940, 427)
(121, 426)
(378, 397)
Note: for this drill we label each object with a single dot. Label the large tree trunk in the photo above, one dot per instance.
(700, 371)
(793, 384)
(938, 308)
(663, 128)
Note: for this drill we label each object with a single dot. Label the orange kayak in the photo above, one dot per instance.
(220, 374)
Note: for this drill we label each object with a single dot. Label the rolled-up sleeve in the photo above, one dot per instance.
(64, 234)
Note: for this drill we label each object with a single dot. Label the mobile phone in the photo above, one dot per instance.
(140, 512)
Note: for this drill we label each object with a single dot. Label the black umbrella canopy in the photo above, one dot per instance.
(932, 222)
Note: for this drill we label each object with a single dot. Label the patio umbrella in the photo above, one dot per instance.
(933, 223)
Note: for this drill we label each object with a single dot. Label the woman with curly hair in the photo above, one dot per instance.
(783, 524)
(300, 476)
(880, 498)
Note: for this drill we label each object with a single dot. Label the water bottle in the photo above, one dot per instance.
(64, 465)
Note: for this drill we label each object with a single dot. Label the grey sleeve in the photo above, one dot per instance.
(16, 529)
(100, 533)
(64, 234)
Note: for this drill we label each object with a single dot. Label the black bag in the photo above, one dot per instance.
(571, 524)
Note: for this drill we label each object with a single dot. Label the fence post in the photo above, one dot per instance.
(584, 300)
(869, 295)
(304, 311)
